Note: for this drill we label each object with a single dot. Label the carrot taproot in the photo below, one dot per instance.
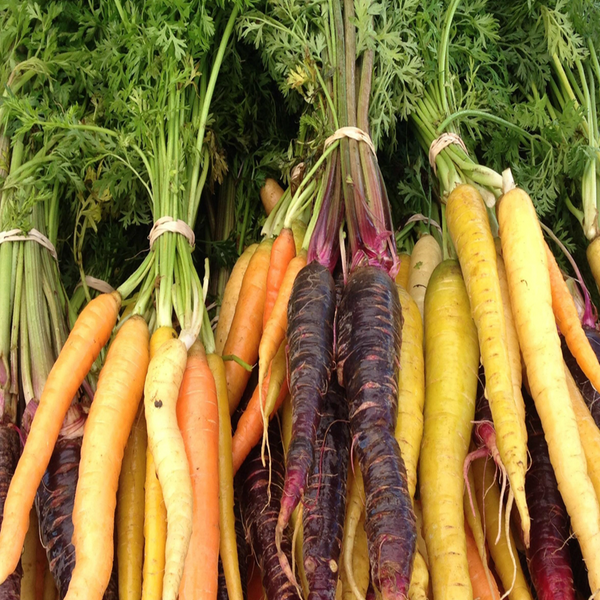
(473, 517)
(531, 299)
(588, 432)
(198, 419)
(411, 388)
(299, 231)
(155, 534)
(230, 297)
(106, 433)
(246, 328)
(49, 591)
(250, 427)
(451, 363)
(425, 257)
(26, 585)
(484, 587)
(130, 512)
(403, 271)
(471, 234)
(282, 252)
(155, 512)
(270, 193)
(548, 557)
(502, 548)
(228, 539)
(369, 322)
(419, 581)
(88, 336)
(512, 340)
(161, 391)
(567, 319)
(593, 258)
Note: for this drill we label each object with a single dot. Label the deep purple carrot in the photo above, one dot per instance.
(311, 311)
(369, 337)
(260, 511)
(588, 391)
(54, 504)
(325, 497)
(548, 555)
(10, 450)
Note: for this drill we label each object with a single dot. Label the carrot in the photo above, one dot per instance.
(411, 389)
(10, 448)
(425, 257)
(25, 586)
(230, 297)
(569, 324)
(548, 557)
(198, 419)
(593, 257)
(419, 581)
(472, 237)
(403, 271)
(155, 512)
(246, 328)
(473, 517)
(310, 341)
(250, 427)
(270, 193)
(106, 433)
(299, 231)
(283, 251)
(368, 348)
(165, 374)
(451, 362)
(130, 512)
(228, 541)
(531, 299)
(89, 334)
(155, 534)
(483, 587)
(588, 432)
(512, 340)
(502, 550)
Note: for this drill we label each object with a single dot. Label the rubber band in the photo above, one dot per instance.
(17, 235)
(97, 284)
(445, 140)
(353, 133)
(165, 224)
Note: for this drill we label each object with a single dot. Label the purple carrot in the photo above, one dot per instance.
(588, 391)
(260, 511)
(325, 497)
(10, 450)
(369, 337)
(548, 555)
(54, 504)
(311, 311)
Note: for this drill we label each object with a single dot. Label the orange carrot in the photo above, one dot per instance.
(284, 249)
(569, 324)
(250, 427)
(107, 429)
(246, 328)
(484, 588)
(90, 333)
(198, 418)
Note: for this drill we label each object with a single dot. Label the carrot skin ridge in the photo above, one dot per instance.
(368, 358)
(260, 516)
(10, 450)
(88, 336)
(324, 506)
(311, 312)
(548, 556)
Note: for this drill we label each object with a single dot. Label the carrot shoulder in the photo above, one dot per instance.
(90, 333)
(107, 430)
(283, 251)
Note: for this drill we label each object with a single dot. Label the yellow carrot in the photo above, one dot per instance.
(593, 257)
(471, 234)
(404, 271)
(425, 257)
(531, 300)
(451, 363)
